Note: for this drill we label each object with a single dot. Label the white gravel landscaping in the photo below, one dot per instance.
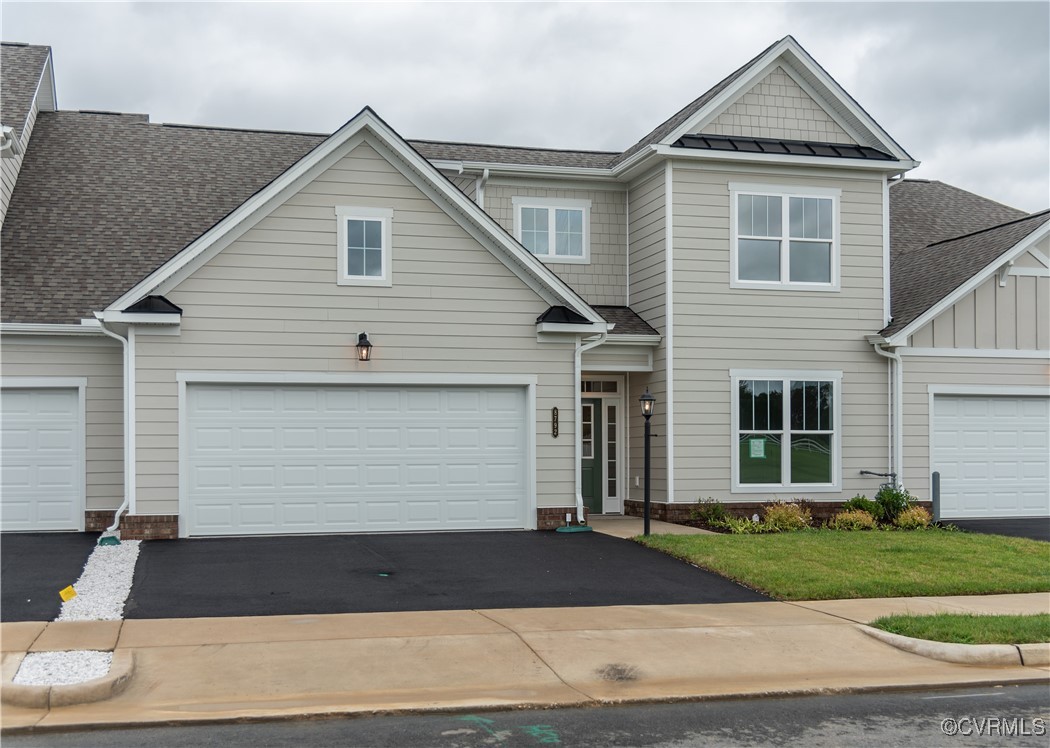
(105, 584)
(62, 668)
(102, 590)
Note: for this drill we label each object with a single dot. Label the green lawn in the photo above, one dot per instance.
(964, 628)
(829, 564)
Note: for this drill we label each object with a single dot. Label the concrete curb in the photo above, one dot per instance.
(983, 655)
(46, 697)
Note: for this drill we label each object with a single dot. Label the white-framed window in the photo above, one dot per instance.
(555, 230)
(364, 245)
(784, 237)
(787, 431)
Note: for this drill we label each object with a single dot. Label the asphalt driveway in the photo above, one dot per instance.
(1036, 528)
(34, 567)
(303, 575)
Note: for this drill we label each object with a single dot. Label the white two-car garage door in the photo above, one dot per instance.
(264, 459)
(41, 459)
(993, 453)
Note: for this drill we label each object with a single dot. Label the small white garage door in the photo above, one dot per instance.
(41, 460)
(993, 454)
(308, 459)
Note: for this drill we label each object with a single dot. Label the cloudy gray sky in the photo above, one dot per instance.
(964, 87)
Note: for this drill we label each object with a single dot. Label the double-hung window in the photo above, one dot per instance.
(787, 430)
(363, 246)
(785, 238)
(554, 230)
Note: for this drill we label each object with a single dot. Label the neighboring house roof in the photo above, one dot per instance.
(21, 66)
(626, 320)
(502, 154)
(925, 276)
(780, 147)
(103, 200)
(923, 212)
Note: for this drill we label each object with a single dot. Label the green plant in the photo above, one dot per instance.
(786, 517)
(893, 500)
(743, 526)
(710, 512)
(864, 504)
(913, 518)
(854, 519)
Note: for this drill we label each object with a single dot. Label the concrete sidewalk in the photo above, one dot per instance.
(216, 669)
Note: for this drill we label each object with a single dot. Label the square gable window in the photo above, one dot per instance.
(784, 238)
(364, 246)
(554, 230)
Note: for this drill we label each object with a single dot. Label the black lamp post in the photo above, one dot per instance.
(648, 403)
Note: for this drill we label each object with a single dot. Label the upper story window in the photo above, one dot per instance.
(785, 238)
(364, 246)
(554, 230)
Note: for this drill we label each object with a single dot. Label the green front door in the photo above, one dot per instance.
(591, 464)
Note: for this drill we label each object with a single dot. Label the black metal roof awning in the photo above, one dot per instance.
(781, 147)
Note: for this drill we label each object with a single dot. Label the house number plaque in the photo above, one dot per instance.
(554, 422)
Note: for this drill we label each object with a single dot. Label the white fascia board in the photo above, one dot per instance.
(141, 318)
(502, 169)
(890, 167)
(33, 328)
(555, 327)
(901, 337)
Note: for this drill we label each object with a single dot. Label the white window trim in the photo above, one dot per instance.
(786, 375)
(518, 202)
(348, 213)
(773, 190)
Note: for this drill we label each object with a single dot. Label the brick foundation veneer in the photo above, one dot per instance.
(553, 517)
(681, 512)
(135, 526)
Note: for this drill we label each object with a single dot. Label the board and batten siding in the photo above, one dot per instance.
(601, 281)
(920, 372)
(648, 297)
(101, 361)
(718, 328)
(993, 316)
(269, 302)
(777, 107)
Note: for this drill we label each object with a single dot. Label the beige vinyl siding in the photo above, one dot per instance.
(100, 360)
(9, 167)
(777, 107)
(612, 357)
(922, 371)
(718, 328)
(601, 281)
(648, 297)
(467, 185)
(1011, 317)
(270, 303)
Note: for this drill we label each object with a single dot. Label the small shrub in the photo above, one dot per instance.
(744, 526)
(913, 518)
(710, 512)
(854, 519)
(785, 517)
(893, 500)
(864, 504)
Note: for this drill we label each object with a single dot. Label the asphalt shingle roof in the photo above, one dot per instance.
(20, 67)
(103, 200)
(434, 150)
(626, 320)
(924, 276)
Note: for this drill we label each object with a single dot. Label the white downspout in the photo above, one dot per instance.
(479, 188)
(896, 396)
(129, 391)
(578, 368)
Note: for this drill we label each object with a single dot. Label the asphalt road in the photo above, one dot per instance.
(311, 575)
(1012, 715)
(34, 567)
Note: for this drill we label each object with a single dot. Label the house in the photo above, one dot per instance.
(223, 332)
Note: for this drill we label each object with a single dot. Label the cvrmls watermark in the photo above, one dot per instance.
(1000, 727)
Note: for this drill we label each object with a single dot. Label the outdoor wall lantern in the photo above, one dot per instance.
(364, 348)
(648, 403)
